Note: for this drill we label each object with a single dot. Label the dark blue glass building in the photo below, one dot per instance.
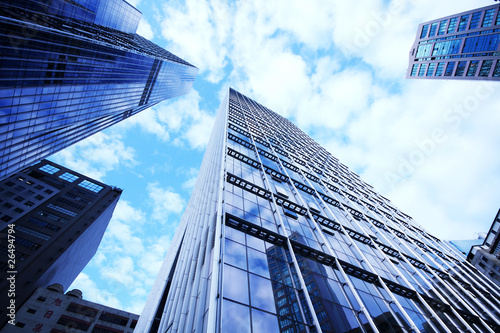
(69, 69)
(281, 237)
(462, 46)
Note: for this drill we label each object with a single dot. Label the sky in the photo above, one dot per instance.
(334, 68)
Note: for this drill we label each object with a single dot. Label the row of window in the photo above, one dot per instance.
(439, 69)
(449, 26)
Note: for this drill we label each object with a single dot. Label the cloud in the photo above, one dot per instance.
(93, 293)
(188, 185)
(164, 202)
(97, 155)
(197, 32)
(144, 29)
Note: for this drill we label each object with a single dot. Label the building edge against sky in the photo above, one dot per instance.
(73, 68)
(279, 236)
(463, 46)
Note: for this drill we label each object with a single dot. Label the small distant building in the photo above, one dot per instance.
(49, 310)
(486, 257)
(465, 245)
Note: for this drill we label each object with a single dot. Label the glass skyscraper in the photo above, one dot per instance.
(463, 46)
(69, 69)
(279, 236)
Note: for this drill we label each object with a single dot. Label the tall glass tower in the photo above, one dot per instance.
(464, 46)
(69, 69)
(279, 236)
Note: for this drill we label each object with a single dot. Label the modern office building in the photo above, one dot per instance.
(486, 256)
(279, 236)
(69, 69)
(49, 310)
(52, 220)
(463, 46)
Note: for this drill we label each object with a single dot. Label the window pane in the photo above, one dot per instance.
(235, 318)
(261, 292)
(235, 284)
(235, 254)
(257, 262)
(264, 322)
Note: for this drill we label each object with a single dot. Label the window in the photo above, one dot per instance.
(74, 323)
(431, 68)
(472, 68)
(62, 210)
(442, 27)
(82, 310)
(49, 169)
(488, 17)
(460, 68)
(33, 233)
(39, 187)
(6, 218)
(29, 203)
(91, 186)
(49, 191)
(449, 68)
(9, 183)
(19, 199)
(113, 318)
(8, 205)
(432, 32)
(39, 197)
(414, 70)
(68, 177)
(485, 68)
(31, 310)
(463, 22)
(474, 22)
(425, 28)
(422, 69)
(19, 210)
(453, 25)
(496, 71)
(41, 299)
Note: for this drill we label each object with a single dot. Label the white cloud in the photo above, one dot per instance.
(189, 184)
(93, 293)
(97, 155)
(197, 33)
(164, 202)
(144, 29)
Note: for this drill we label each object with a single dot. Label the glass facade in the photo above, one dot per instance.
(470, 38)
(279, 236)
(69, 69)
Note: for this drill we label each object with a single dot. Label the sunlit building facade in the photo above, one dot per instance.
(279, 236)
(463, 46)
(52, 220)
(69, 69)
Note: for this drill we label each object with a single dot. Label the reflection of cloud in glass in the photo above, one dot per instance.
(235, 284)
(257, 262)
(235, 318)
(234, 254)
(264, 322)
(262, 296)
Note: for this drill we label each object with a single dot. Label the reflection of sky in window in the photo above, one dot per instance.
(235, 318)
(264, 322)
(261, 295)
(234, 254)
(235, 284)
(257, 262)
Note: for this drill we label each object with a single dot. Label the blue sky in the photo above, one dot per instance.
(336, 69)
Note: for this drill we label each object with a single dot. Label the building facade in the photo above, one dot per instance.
(69, 69)
(486, 256)
(49, 310)
(463, 46)
(279, 236)
(52, 220)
